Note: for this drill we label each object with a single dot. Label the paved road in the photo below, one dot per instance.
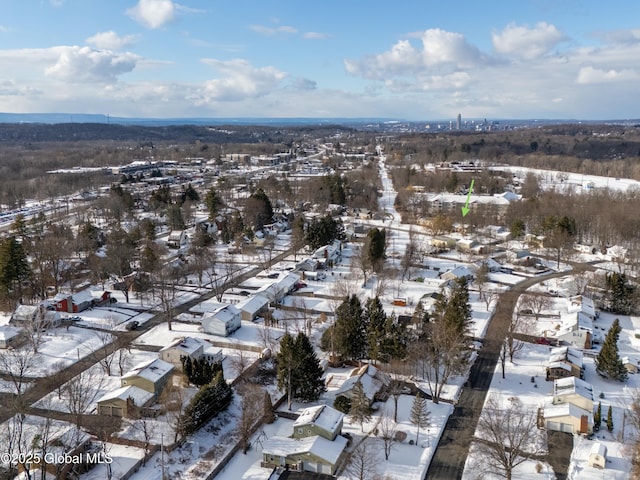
(453, 448)
(46, 385)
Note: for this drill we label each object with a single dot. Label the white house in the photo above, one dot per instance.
(194, 348)
(177, 239)
(10, 336)
(569, 418)
(223, 321)
(575, 391)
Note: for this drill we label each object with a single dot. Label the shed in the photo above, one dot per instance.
(598, 455)
(629, 365)
(10, 336)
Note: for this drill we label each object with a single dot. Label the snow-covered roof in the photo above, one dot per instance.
(7, 332)
(225, 314)
(288, 280)
(327, 450)
(25, 311)
(139, 396)
(572, 355)
(188, 345)
(566, 410)
(252, 304)
(153, 370)
(599, 449)
(83, 296)
(561, 365)
(458, 272)
(571, 385)
(579, 303)
(323, 416)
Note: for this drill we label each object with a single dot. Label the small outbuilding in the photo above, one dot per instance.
(598, 456)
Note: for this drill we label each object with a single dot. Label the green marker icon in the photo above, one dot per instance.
(465, 209)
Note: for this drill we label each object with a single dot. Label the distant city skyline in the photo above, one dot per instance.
(408, 59)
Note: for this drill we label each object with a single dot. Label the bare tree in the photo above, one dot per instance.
(507, 435)
(239, 361)
(173, 398)
(387, 433)
(106, 339)
(81, 393)
(251, 413)
(36, 329)
(363, 461)
(146, 429)
(536, 302)
(124, 360)
(518, 324)
(17, 364)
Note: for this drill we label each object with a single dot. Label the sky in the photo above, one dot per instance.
(406, 59)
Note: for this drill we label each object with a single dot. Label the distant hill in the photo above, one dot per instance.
(55, 118)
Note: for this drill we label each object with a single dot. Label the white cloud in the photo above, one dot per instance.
(315, 35)
(527, 43)
(84, 64)
(440, 52)
(240, 80)
(301, 83)
(110, 40)
(591, 75)
(153, 13)
(271, 31)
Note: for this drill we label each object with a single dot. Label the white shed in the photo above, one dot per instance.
(598, 456)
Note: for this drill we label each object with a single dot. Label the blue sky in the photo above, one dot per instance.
(416, 60)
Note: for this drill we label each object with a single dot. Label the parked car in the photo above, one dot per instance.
(132, 325)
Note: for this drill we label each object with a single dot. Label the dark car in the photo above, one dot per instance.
(132, 325)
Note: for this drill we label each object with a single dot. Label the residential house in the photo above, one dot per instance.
(576, 330)
(194, 348)
(10, 337)
(310, 454)
(329, 254)
(575, 391)
(441, 241)
(371, 379)
(456, 273)
(567, 417)
(151, 376)
(222, 322)
(565, 362)
(28, 315)
(570, 408)
(80, 301)
(320, 420)
(252, 307)
(125, 401)
(466, 244)
(177, 239)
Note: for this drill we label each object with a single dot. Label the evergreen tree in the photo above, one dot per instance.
(610, 419)
(14, 267)
(299, 372)
(419, 414)
(455, 308)
(608, 362)
(376, 329)
(350, 330)
(342, 404)
(620, 294)
(258, 209)
(210, 400)
(323, 231)
(214, 203)
(375, 245)
(200, 371)
(360, 410)
(597, 418)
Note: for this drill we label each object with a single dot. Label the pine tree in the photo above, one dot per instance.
(620, 294)
(455, 307)
(597, 418)
(419, 414)
(360, 409)
(608, 362)
(376, 329)
(299, 372)
(610, 419)
(350, 330)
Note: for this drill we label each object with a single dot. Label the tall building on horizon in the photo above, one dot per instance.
(459, 122)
